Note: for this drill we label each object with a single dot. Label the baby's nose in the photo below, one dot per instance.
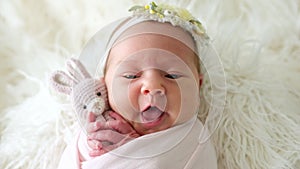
(153, 83)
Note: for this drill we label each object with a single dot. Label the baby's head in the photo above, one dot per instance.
(151, 65)
(153, 78)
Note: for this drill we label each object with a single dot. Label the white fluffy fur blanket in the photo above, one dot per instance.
(258, 42)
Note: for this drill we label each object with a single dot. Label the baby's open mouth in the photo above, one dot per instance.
(151, 114)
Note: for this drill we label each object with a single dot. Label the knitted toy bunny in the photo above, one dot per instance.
(87, 94)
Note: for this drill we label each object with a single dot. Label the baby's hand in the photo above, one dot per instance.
(115, 130)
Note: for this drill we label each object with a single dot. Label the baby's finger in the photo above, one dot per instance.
(91, 117)
(110, 147)
(94, 144)
(134, 135)
(107, 135)
(93, 126)
(120, 126)
(95, 153)
(116, 116)
(99, 125)
(125, 139)
(102, 125)
(107, 116)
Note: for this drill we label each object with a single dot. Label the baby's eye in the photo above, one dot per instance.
(172, 76)
(130, 76)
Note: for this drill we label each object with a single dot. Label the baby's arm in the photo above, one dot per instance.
(115, 130)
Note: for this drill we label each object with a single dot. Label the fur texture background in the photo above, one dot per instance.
(258, 42)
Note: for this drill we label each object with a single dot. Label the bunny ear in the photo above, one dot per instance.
(77, 70)
(62, 82)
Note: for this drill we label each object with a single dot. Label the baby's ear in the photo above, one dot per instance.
(200, 79)
(62, 82)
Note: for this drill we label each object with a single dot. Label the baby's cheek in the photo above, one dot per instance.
(189, 102)
(121, 98)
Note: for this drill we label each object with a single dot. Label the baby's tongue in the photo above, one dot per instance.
(151, 114)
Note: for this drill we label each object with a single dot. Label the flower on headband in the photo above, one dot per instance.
(164, 12)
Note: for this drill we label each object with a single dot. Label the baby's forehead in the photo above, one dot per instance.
(150, 46)
(151, 55)
(147, 51)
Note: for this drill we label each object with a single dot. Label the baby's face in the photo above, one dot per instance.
(153, 82)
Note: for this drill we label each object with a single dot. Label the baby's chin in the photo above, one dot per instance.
(142, 129)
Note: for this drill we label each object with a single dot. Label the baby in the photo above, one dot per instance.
(151, 67)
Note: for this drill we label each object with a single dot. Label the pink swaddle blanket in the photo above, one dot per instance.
(177, 148)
